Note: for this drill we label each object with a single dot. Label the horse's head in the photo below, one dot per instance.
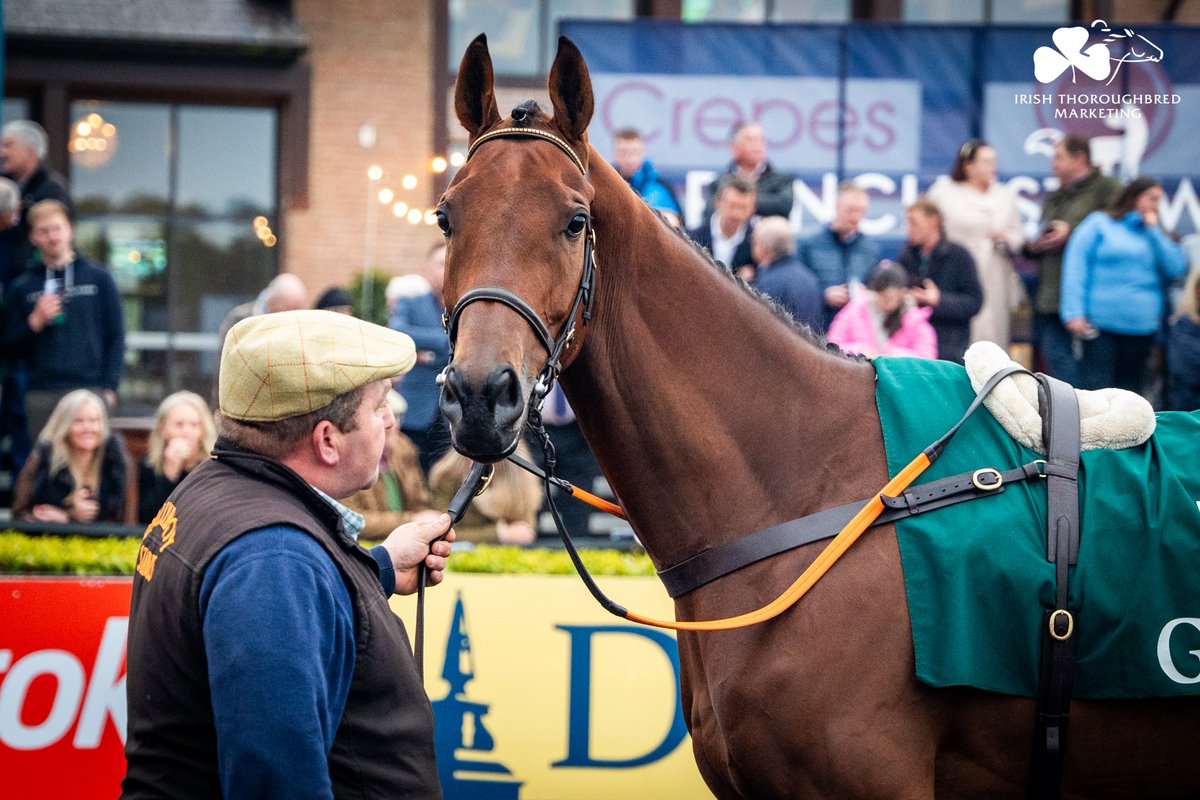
(518, 259)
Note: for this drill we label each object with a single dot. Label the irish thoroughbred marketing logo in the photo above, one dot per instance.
(1094, 60)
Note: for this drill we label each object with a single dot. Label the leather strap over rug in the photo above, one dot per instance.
(976, 574)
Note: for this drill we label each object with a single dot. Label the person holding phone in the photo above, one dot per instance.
(1082, 190)
(64, 318)
(1115, 270)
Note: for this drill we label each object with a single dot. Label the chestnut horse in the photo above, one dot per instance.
(712, 417)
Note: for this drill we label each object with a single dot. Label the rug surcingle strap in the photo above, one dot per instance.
(1060, 432)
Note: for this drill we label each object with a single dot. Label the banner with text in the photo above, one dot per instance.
(890, 105)
(538, 693)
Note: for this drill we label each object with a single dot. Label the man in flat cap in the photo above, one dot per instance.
(263, 659)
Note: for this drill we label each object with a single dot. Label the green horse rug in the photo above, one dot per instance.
(976, 573)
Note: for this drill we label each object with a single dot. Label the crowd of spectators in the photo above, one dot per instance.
(1099, 285)
(1104, 293)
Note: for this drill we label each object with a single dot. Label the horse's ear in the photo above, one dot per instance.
(570, 90)
(474, 100)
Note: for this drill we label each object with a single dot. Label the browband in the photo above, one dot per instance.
(527, 133)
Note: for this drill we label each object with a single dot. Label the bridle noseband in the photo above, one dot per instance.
(555, 347)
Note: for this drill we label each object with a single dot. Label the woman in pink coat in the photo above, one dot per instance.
(884, 320)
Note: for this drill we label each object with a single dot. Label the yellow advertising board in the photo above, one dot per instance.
(542, 695)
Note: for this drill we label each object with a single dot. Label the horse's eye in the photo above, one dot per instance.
(577, 224)
(443, 222)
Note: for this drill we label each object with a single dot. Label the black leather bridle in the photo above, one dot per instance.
(555, 347)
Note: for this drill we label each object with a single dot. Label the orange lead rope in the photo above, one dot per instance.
(829, 556)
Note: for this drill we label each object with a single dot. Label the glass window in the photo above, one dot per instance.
(185, 230)
(943, 10)
(14, 108)
(580, 9)
(723, 10)
(511, 27)
(119, 158)
(522, 34)
(810, 11)
(1030, 11)
(227, 161)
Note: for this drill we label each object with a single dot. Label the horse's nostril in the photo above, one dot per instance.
(450, 400)
(504, 395)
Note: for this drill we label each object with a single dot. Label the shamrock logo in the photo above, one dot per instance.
(1049, 63)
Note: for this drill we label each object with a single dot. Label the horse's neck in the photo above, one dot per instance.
(704, 408)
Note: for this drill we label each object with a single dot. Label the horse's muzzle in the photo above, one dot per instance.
(485, 415)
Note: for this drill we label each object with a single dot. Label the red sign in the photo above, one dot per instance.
(62, 686)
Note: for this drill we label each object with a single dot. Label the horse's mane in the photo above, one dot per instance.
(801, 329)
(533, 110)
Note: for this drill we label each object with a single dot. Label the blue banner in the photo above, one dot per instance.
(890, 105)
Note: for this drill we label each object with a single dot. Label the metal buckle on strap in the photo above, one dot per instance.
(1055, 617)
(994, 479)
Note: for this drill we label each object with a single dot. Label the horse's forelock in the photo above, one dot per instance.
(531, 109)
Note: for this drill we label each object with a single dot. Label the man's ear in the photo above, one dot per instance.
(325, 439)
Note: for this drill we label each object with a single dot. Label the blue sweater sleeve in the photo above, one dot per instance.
(279, 638)
(1168, 256)
(419, 318)
(1076, 264)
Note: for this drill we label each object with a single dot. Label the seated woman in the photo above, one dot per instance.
(78, 471)
(885, 320)
(505, 512)
(183, 436)
(400, 495)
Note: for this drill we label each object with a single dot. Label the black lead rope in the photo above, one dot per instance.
(475, 483)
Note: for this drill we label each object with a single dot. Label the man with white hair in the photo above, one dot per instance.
(839, 254)
(23, 150)
(285, 292)
(773, 189)
(781, 276)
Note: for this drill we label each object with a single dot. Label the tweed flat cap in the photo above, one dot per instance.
(281, 365)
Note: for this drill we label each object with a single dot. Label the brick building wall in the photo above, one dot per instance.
(372, 63)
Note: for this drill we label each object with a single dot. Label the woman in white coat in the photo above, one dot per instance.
(980, 213)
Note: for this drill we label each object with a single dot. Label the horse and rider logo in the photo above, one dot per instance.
(1094, 60)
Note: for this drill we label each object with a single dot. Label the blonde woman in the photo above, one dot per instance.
(980, 213)
(78, 471)
(183, 436)
(506, 511)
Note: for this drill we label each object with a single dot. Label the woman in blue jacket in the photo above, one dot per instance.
(1116, 269)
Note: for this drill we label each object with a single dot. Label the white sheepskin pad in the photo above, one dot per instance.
(1109, 418)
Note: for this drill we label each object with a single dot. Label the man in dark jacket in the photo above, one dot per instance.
(726, 233)
(781, 276)
(263, 657)
(944, 278)
(773, 189)
(64, 317)
(1082, 190)
(839, 254)
(23, 149)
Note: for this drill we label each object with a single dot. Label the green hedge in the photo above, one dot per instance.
(81, 555)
